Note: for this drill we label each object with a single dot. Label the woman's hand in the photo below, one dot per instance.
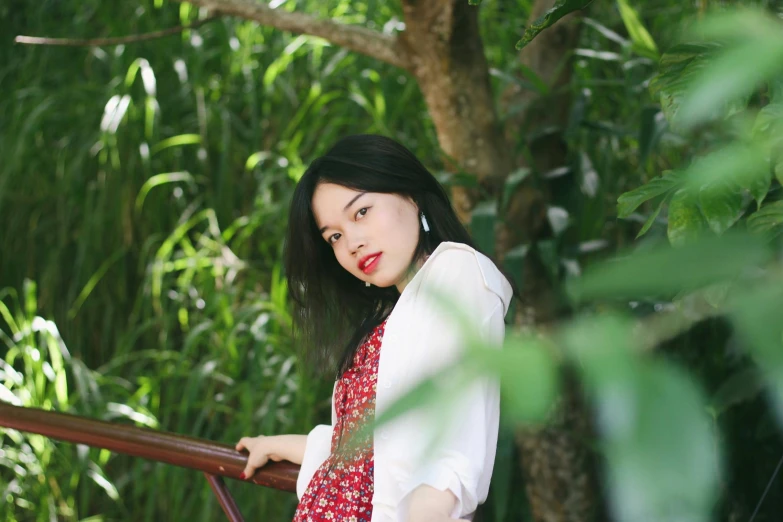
(260, 453)
(276, 448)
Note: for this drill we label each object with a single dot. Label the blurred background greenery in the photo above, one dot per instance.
(143, 195)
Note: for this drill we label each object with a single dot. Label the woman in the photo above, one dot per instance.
(373, 248)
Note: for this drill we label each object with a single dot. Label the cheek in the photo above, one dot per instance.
(344, 258)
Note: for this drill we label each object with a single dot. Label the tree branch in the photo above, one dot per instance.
(374, 44)
(121, 40)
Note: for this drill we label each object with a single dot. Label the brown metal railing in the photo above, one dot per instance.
(213, 459)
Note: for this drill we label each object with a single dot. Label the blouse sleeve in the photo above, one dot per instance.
(318, 447)
(463, 458)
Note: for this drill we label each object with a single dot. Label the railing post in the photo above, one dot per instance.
(224, 497)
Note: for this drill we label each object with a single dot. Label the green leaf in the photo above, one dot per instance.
(474, 2)
(759, 186)
(630, 201)
(562, 8)
(756, 315)
(739, 164)
(651, 219)
(512, 183)
(528, 376)
(767, 220)
(686, 222)
(779, 172)
(643, 43)
(752, 53)
(677, 68)
(721, 206)
(664, 271)
(656, 472)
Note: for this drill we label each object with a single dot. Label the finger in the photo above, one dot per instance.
(242, 444)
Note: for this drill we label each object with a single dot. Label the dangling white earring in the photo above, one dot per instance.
(367, 284)
(424, 223)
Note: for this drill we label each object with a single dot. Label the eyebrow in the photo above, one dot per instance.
(345, 208)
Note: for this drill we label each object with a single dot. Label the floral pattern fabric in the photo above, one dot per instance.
(342, 488)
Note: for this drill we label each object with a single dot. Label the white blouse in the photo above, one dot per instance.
(421, 338)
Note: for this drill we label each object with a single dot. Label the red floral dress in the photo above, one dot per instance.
(341, 489)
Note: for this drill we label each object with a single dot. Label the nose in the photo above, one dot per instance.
(356, 243)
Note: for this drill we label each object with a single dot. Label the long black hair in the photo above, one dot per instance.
(333, 310)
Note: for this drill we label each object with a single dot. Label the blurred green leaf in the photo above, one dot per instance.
(643, 43)
(677, 69)
(664, 270)
(158, 180)
(738, 163)
(562, 8)
(756, 315)
(511, 184)
(176, 141)
(686, 222)
(655, 472)
(721, 206)
(767, 220)
(752, 53)
(528, 376)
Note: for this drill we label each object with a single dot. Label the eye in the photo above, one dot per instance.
(362, 212)
(333, 238)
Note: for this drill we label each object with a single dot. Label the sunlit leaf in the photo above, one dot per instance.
(158, 180)
(562, 8)
(176, 141)
(643, 43)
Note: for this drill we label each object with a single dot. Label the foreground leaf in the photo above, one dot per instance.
(658, 443)
(664, 271)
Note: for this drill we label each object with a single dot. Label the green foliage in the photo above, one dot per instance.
(145, 187)
(558, 11)
(643, 43)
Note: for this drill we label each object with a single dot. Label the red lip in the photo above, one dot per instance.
(373, 259)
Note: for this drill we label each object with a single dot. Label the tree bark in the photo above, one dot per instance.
(556, 461)
(448, 61)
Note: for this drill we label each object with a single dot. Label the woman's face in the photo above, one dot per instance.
(373, 235)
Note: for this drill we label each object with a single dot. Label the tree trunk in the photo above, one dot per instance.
(555, 460)
(447, 59)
